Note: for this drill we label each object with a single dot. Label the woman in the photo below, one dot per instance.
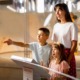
(66, 32)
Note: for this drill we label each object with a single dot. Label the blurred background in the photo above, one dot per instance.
(20, 21)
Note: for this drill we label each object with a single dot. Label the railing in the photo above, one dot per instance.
(28, 54)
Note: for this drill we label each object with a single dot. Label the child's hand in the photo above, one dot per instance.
(9, 41)
(41, 63)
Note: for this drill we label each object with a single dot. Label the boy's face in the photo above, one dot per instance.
(42, 37)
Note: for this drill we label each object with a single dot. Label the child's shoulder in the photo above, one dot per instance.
(65, 64)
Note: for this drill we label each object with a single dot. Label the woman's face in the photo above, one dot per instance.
(60, 14)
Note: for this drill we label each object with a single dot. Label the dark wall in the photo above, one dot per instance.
(5, 2)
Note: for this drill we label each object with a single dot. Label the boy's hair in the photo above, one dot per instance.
(45, 30)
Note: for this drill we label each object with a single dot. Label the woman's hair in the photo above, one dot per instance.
(64, 7)
(61, 48)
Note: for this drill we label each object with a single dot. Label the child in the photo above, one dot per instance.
(58, 62)
(40, 50)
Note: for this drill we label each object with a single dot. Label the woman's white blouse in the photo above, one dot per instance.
(65, 33)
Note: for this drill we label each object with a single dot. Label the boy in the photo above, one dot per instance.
(40, 50)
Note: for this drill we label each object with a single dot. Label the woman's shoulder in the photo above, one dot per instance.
(67, 23)
(57, 24)
(71, 23)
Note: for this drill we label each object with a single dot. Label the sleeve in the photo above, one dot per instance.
(53, 38)
(74, 32)
(52, 35)
(64, 65)
(32, 45)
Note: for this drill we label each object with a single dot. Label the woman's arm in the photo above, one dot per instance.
(73, 48)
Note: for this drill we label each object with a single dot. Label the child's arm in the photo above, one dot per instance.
(65, 68)
(21, 44)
